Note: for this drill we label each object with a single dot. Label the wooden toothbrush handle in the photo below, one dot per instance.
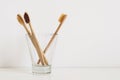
(51, 40)
(40, 53)
(61, 20)
(37, 49)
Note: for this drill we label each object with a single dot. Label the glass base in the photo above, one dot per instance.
(38, 69)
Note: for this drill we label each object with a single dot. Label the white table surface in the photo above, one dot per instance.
(62, 74)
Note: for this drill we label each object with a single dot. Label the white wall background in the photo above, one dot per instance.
(89, 37)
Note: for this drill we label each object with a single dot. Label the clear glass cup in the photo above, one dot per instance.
(43, 40)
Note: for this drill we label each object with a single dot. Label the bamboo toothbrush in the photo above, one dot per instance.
(21, 21)
(39, 51)
(61, 20)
